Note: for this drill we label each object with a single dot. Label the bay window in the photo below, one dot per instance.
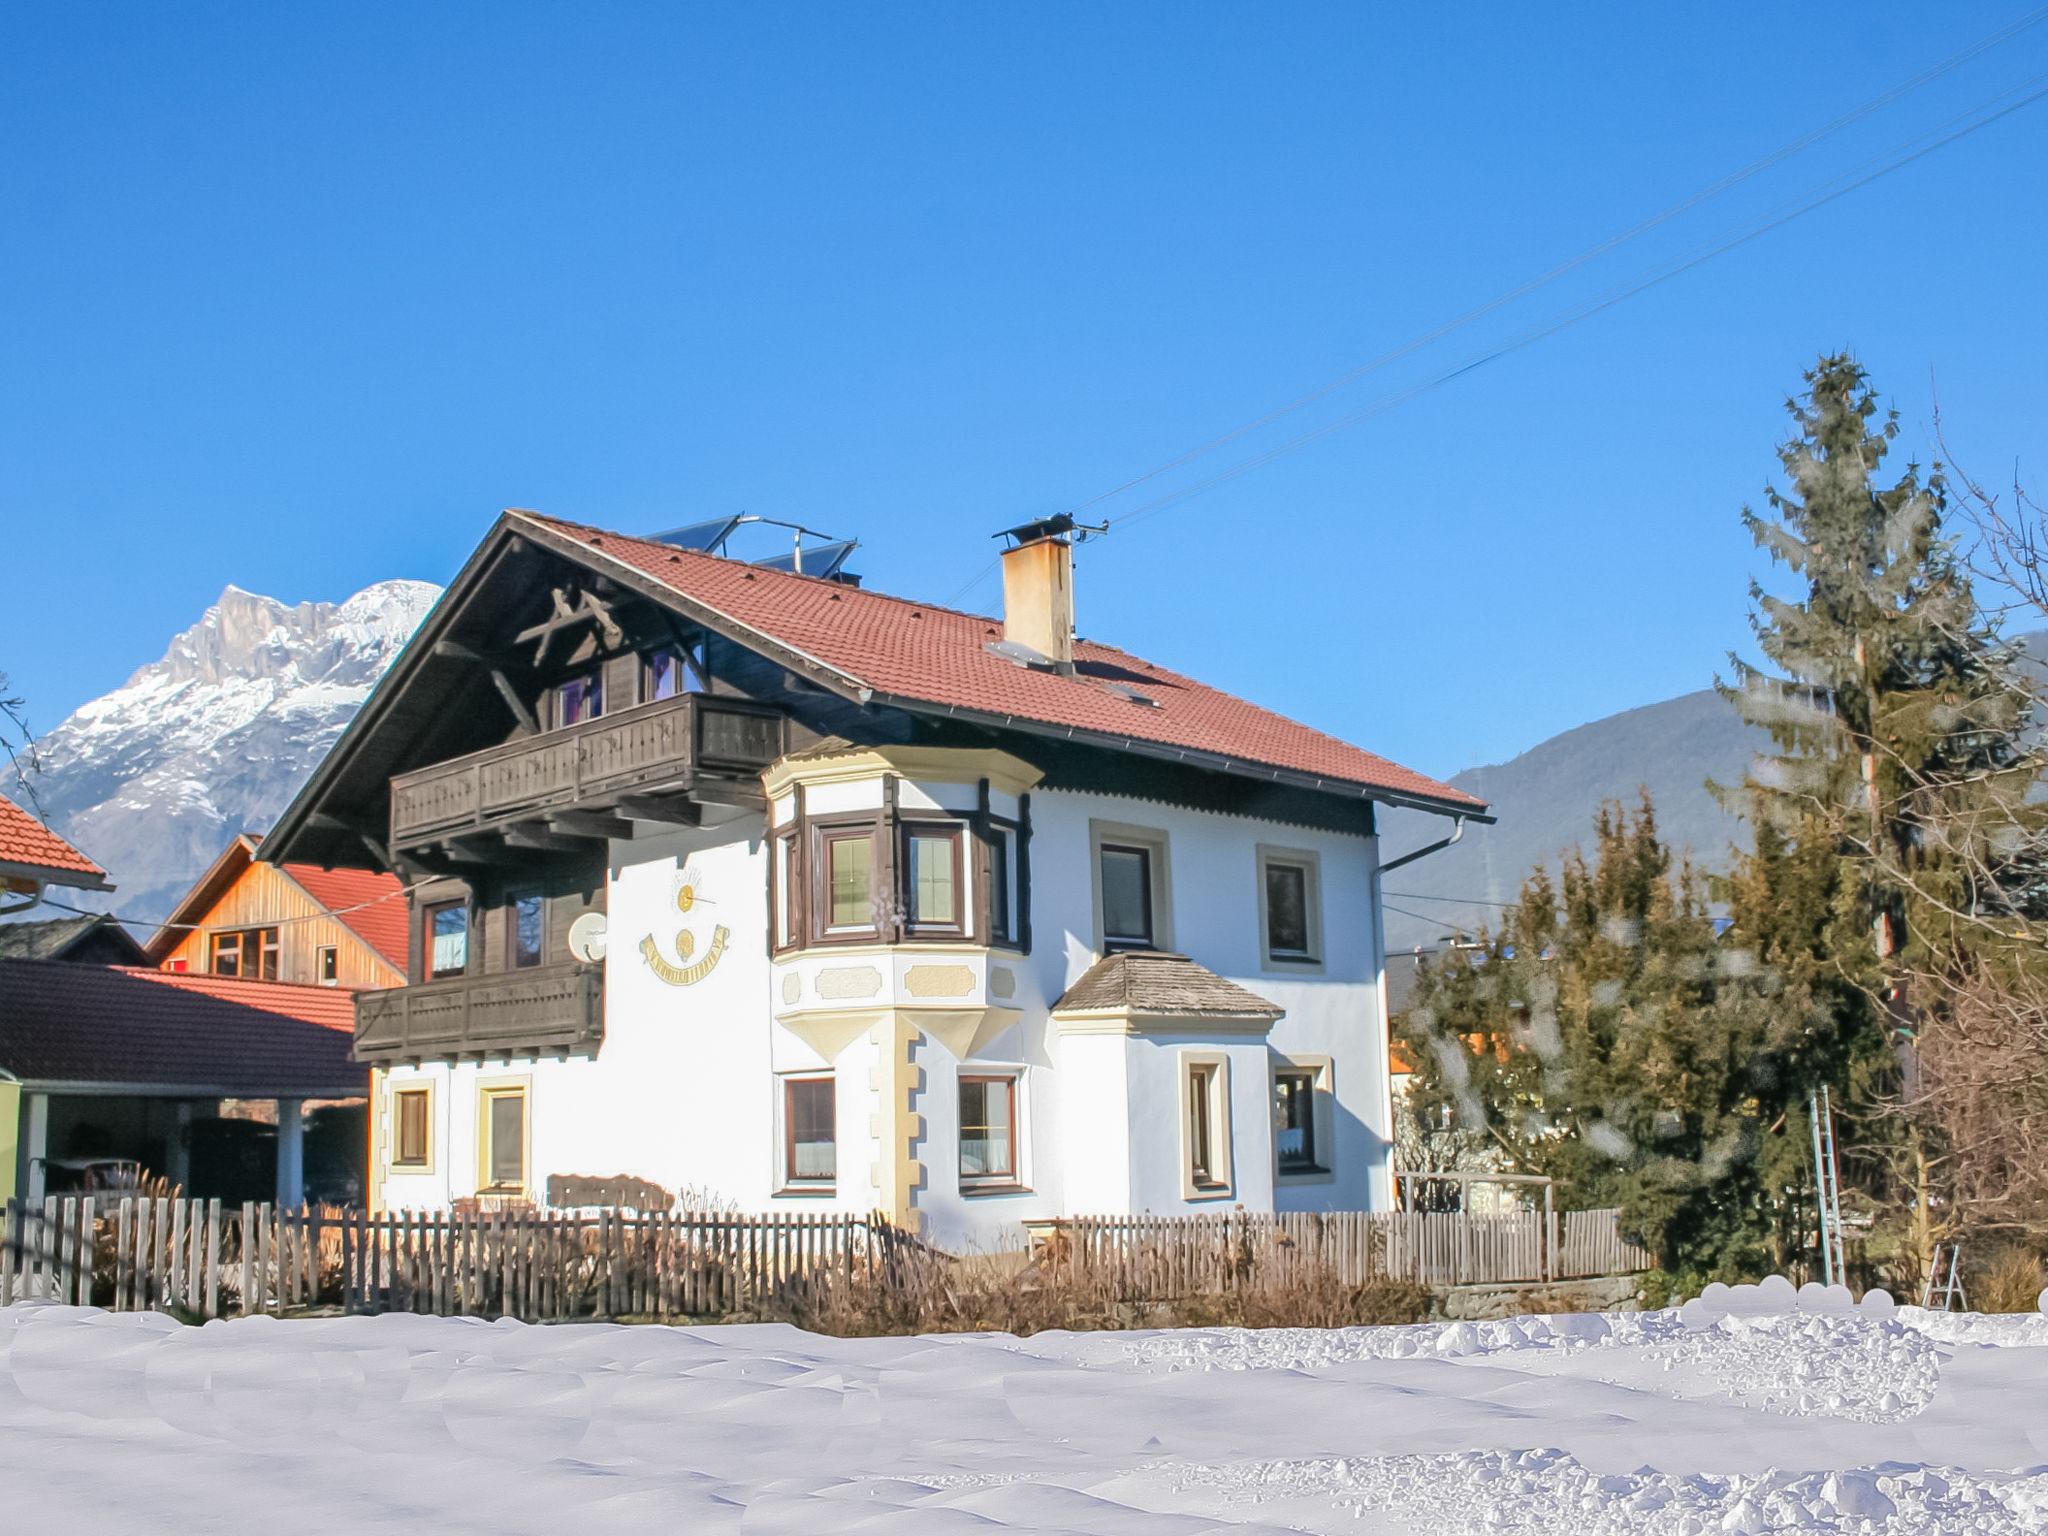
(931, 871)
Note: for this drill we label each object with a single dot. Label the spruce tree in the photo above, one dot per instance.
(1883, 822)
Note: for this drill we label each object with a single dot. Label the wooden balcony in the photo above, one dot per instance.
(557, 1009)
(671, 744)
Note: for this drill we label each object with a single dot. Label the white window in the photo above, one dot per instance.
(1133, 905)
(1205, 1125)
(1290, 908)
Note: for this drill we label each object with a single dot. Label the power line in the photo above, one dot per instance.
(1698, 257)
(1466, 901)
(1712, 190)
(281, 922)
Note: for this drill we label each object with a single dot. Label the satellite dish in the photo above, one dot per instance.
(586, 936)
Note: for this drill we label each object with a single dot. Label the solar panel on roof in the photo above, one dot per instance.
(819, 560)
(709, 536)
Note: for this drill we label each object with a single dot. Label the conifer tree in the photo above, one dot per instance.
(1610, 1038)
(1902, 769)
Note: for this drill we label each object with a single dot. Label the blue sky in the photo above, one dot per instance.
(298, 297)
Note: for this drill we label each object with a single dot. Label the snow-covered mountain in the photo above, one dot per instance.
(216, 737)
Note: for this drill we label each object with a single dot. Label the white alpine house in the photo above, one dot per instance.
(747, 885)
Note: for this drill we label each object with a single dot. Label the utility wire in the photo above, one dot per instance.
(1596, 306)
(1712, 190)
(282, 922)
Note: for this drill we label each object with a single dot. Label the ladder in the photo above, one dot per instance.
(1944, 1291)
(1828, 1183)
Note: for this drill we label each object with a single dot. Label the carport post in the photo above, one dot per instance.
(178, 1159)
(291, 1154)
(35, 1143)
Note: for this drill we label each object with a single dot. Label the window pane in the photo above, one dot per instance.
(999, 887)
(1199, 1149)
(508, 1139)
(986, 1135)
(267, 951)
(1294, 1127)
(933, 897)
(412, 1127)
(664, 673)
(330, 963)
(1126, 895)
(1286, 909)
(810, 1113)
(526, 929)
(227, 954)
(850, 860)
(448, 929)
(579, 699)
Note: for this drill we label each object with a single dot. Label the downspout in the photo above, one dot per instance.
(32, 898)
(1386, 1023)
(1457, 831)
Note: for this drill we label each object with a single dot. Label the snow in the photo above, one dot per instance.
(1761, 1411)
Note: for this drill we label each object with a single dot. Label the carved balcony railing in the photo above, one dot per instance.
(556, 1009)
(587, 766)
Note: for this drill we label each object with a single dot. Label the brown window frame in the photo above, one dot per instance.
(954, 832)
(427, 913)
(823, 836)
(792, 1181)
(1007, 1176)
(267, 956)
(401, 1100)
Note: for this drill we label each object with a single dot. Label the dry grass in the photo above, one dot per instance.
(932, 1293)
(2010, 1282)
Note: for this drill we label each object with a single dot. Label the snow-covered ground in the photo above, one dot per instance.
(1748, 1412)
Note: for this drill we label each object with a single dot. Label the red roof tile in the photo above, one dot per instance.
(369, 903)
(938, 657)
(27, 842)
(61, 1022)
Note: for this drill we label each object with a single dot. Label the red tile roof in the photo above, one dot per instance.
(369, 903)
(938, 657)
(26, 842)
(120, 1024)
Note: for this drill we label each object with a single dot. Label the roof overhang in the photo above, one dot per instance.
(1139, 1021)
(1470, 810)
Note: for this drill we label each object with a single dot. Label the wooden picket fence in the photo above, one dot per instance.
(191, 1256)
(1164, 1258)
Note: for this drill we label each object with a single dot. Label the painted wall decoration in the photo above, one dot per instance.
(686, 892)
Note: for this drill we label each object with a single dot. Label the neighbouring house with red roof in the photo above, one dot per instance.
(121, 1067)
(110, 1064)
(756, 884)
(33, 857)
(286, 922)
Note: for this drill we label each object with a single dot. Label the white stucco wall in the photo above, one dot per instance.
(687, 1089)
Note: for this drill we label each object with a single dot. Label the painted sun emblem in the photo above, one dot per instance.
(685, 891)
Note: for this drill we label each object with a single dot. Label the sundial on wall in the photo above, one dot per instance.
(685, 896)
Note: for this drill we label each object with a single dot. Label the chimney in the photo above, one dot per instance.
(1038, 589)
